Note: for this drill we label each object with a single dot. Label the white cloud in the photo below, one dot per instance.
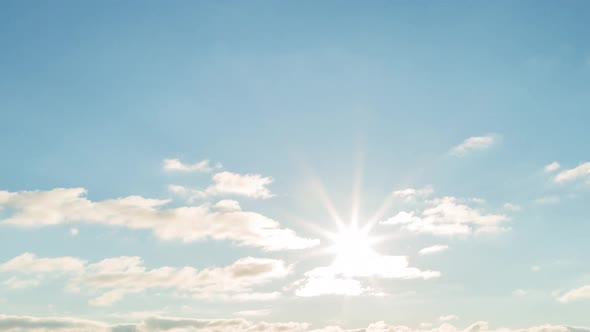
(409, 194)
(29, 263)
(474, 143)
(447, 318)
(52, 324)
(191, 195)
(74, 231)
(253, 313)
(449, 216)
(433, 249)
(177, 165)
(175, 324)
(535, 268)
(186, 223)
(250, 185)
(582, 293)
(112, 278)
(106, 299)
(227, 205)
(580, 172)
(228, 183)
(402, 218)
(342, 276)
(124, 275)
(546, 200)
(329, 285)
(158, 324)
(16, 283)
(552, 167)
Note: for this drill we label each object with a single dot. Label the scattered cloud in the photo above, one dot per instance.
(227, 205)
(228, 184)
(74, 231)
(191, 195)
(552, 167)
(161, 324)
(580, 172)
(447, 318)
(535, 268)
(30, 263)
(582, 293)
(201, 166)
(186, 223)
(409, 194)
(474, 143)
(448, 216)
(113, 278)
(433, 249)
(342, 276)
(519, 292)
(249, 185)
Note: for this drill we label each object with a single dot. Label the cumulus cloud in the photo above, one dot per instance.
(581, 172)
(552, 167)
(185, 223)
(449, 216)
(582, 293)
(175, 324)
(474, 143)
(227, 205)
(30, 263)
(228, 183)
(115, 277)
(433, 249)
(343, 276)
(191, 195)
(250, 185)
(177, 165)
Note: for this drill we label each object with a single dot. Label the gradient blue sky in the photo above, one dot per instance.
(361, 99)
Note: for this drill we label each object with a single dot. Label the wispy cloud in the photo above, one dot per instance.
(201, 166)
(433, 249)
(447, 318)
(580, 172)
(448, 216)
(475, 143)
(582, 293)
(552, 167)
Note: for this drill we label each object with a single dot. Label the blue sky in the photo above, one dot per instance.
(211, 144)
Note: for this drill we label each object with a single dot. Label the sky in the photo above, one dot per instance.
(327, 166)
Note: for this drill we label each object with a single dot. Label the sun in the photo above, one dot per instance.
(352, 244)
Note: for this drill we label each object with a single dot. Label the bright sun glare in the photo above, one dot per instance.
(351, 244)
